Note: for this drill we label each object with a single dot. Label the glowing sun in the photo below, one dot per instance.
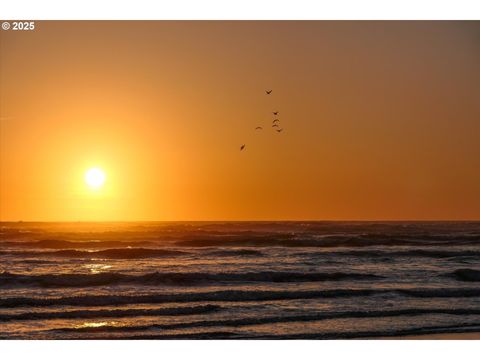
(95, 177)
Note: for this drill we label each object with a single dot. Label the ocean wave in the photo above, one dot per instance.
(230, 296)
(466, 275)
(234, 252)
(204, 335)
(313, 240)
(66, 244)
(219, 335)
(275, 319)
(128, 253)
(35, 261)
(198, 238)
(424, 330)
(432, 253)
(224, 335)
(156, 278)
(141, 253)
(90, 314)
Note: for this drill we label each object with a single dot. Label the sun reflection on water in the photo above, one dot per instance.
(97, 268)
(95, 324)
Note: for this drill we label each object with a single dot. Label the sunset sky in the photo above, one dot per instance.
(381, 121)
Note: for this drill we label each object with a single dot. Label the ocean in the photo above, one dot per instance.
(238, 280)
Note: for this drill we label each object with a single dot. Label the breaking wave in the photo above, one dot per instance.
(260, 239)
(431, 253)
(66, 244)
(231, 296)
(156, 278)
(306, 240)
(276, 319)
(91, 314)
(130, 253)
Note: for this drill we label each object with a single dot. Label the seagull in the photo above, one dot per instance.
(258, 128)
(275, 125)
(276, 113)
(275, 121)
(268, 92)
(242, 147)
(279, 130)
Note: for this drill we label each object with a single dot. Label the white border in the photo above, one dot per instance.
(240, 9)
(239, 349)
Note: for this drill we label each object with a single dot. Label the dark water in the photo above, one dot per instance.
(285, 280)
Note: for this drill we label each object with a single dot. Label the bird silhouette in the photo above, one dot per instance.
(279, 130)
(242, 147)
(275, 121)
(258, 128)
(276, 113)
(268, 92)
(275, 125)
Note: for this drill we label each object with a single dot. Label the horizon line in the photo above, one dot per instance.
(258, 221)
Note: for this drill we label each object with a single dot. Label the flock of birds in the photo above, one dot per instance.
(275, 121)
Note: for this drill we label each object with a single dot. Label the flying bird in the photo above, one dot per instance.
(258, 128)
(275, 121)
(275, 125)
(276, 113)
(242, 147)
(268, 92)
(279, 130)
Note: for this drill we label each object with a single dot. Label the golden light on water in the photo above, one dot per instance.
(97, 268)
(95, 324)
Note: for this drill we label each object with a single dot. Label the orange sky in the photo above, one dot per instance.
(381, 120)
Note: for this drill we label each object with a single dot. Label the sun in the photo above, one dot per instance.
(95, 178)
